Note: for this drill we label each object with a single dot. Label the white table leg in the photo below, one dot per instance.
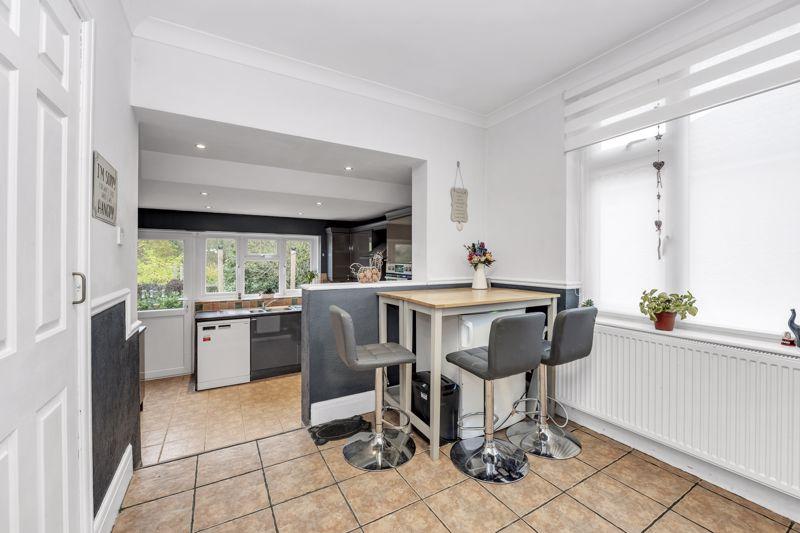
(382, 326)
(435, 398)
(406, 341)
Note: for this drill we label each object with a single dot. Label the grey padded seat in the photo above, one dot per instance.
(515, 346)
(381, 448)
(371, 356)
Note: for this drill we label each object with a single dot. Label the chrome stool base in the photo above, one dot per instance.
(550, 441)
(495, 462)
(379, 451)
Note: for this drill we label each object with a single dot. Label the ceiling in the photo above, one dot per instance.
(244, 170)
(178, 134)
(472, 54)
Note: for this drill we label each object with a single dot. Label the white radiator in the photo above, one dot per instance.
(735, 408)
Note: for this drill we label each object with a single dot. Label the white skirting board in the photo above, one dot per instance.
(109, 509)
(343, 407)
(774, 500)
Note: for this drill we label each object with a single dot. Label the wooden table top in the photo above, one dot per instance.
(466, 297)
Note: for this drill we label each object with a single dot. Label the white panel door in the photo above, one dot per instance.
(40, 56)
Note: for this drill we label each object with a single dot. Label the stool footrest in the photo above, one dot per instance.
(460, 422)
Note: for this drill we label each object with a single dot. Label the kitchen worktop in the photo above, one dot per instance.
(228, 314)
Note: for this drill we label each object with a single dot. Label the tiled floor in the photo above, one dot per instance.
(178, 421)
(285, 483)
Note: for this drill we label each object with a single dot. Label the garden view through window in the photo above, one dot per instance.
(220, 265)
(160, 274)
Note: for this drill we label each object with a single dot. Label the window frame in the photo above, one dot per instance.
(188, 268)
(242, 255)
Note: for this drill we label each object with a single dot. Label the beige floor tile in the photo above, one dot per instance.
(297, 477)
(617, 503)
(259, 522)
(427, 476)
(227, 462)
(518, 527)
(258, 428)
(377, 494)
(154, 437)
(215, 441)
(564, 474)
(525, 495)
(665, 466)
(468, 507)
(150, 455)
(747, 503)
(340, 468)
(674, 523)
(166, 515)
(564, 514)
(650, 480)
(305, 514)
(185, 432)
(721, 515)
(606, 438)
(286, 446)
(229, 499)
(415, 518)
(160, 480)
(181, 448)
(596, 452)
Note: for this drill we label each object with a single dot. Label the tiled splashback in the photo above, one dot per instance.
(219, 305)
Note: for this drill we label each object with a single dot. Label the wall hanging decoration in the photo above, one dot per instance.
(658, 164)
(459, 198)
(104, 191)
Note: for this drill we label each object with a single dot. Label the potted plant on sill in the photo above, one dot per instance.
(479, 258)
(661, 307)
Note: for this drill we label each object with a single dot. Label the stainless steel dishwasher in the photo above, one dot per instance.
(274, 345)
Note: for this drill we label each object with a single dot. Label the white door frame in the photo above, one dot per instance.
(83, 245)
(189, 290)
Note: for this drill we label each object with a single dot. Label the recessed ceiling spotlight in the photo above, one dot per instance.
(200, 146)
(208, 207)
(319, 204)
(299, 212)
(348, 169)
(204, 193)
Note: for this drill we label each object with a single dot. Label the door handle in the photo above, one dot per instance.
(78, 288)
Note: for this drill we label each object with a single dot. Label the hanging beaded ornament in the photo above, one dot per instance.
(658, 164)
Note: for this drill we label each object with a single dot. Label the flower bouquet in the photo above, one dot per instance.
(479, 257)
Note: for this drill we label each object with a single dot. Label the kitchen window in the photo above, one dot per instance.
(258, 264)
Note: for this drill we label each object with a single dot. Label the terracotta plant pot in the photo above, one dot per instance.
(665, 321)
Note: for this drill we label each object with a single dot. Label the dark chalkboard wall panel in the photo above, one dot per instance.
(115, 397)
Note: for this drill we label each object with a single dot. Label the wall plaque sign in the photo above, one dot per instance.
(459, 200)
(104, 191)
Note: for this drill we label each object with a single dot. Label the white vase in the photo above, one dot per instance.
(479, 278)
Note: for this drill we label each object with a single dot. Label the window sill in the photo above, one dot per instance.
(697, 333)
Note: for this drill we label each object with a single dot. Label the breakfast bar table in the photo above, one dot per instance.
(439, 303)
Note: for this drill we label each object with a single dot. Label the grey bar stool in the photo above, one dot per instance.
(572, 337)
(382, 448)
(515, 346)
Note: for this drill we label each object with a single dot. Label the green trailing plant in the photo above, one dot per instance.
(654, 302)
(588, 303)
(308, 277)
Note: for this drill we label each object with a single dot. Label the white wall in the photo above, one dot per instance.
(116, 137)
(176, 80)
(527, 196)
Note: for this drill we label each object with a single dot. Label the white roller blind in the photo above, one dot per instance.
(743, 62)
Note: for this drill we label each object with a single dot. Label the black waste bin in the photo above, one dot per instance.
(421, 385)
